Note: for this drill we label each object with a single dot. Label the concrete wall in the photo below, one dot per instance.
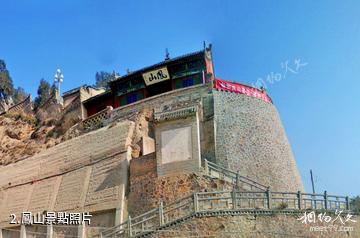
(87, 173)
(250, 138)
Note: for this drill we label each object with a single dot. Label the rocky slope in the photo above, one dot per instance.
(21, 137)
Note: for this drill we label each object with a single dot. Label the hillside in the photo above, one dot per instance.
(21, 137)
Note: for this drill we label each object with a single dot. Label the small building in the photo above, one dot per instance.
(170, 74)
(75, 97)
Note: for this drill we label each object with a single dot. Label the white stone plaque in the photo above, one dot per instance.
(176, 145)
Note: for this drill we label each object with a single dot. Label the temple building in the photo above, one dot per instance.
(170, 125)
(171, 74)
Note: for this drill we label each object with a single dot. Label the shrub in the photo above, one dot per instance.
(22, 117)
(355, 204)
(282, 206)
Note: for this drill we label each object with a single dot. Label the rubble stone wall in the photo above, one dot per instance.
(264, 226)
(250, 138)
(147, 189)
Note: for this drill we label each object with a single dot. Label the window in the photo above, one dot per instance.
(187, 82)
(178, 68)
(197, 64)
(131, 98)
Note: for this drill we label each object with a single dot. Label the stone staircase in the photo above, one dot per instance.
(216, 171)
(259, 199)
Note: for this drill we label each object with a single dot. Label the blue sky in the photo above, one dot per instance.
(251, 39)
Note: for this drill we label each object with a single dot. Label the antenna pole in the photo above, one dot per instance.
(167, 55)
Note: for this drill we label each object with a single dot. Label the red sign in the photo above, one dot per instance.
(243, 89)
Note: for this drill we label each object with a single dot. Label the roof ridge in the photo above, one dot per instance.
(157, 64)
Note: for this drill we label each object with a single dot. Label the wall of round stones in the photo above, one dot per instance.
(250, 139)
(147, 190)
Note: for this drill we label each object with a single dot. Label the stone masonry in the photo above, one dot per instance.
(250, 138)
(88, 173)
(266, 226)
(108, 173)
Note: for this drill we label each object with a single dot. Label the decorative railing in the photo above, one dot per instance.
(247, 184)
(175, 114)
(97, 120)
(73, 105)
(24, 106)
(224, 202)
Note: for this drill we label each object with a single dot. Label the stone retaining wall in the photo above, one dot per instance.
(259, 226)
(147, 189)
(250, 138)
(88, 173)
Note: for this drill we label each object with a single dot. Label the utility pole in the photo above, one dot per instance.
(313, 188)
(312, 181)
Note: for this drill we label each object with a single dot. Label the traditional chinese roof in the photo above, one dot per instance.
(74, 90)
(97, 96)
(157, 65)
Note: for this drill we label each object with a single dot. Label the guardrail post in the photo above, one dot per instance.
(268, 196)
(129, 227)
(82, 230)
(206, 166)
(313, 202)
(1, 235)
(196, 202)
(347, 203)
(142, 225)
(161, 213)
(22, 231)
(49, 231)
(237, 180)
(233, 197)
(325, 200)
(299, 197)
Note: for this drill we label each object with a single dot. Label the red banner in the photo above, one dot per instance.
(243, 89)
